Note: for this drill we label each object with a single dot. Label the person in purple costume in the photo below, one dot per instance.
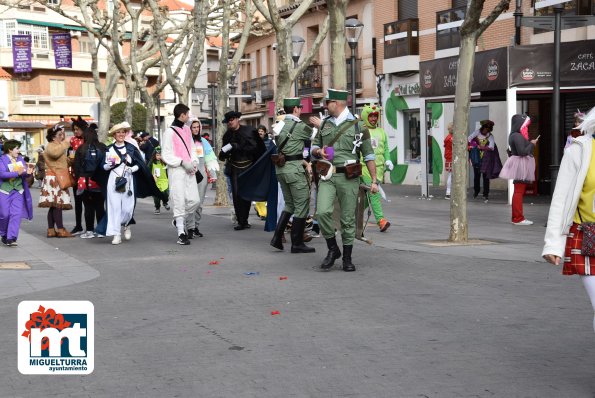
(15, 198)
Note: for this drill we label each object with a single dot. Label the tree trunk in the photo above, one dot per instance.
(338, 72)
(104, 118)
(458, 203)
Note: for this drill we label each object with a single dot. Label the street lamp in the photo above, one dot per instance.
(353, 30)
(297, 44)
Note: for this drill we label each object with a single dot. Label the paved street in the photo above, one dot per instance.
(417, 319)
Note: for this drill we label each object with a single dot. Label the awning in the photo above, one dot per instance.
(51, 24)
(21, 125)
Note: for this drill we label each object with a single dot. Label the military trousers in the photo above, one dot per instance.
(345, 191)
(296, 193)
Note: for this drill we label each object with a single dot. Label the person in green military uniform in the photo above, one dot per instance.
(340, 143)
(379, 142)
(292, 133)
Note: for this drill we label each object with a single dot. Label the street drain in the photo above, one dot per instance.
(18, 265)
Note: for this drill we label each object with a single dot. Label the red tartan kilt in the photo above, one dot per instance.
(574, 261)
(448, 166)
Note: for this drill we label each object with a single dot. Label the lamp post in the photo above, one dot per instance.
(297, 44)
(353, 30)
(212, 87)
(555, 24)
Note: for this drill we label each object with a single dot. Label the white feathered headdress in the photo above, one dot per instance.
(588, 124)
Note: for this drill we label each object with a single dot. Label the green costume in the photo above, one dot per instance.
(292, 176)
(379, 142)
(338, 186)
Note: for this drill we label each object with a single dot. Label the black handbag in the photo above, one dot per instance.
(121, 184)
(198, 176)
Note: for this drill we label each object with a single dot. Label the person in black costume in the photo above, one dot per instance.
(241, 147)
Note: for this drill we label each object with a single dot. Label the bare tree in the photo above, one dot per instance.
(471, 30)
(337, 10)
(227, 68)
(287, 73)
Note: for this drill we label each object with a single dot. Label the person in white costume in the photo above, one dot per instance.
(179, 154)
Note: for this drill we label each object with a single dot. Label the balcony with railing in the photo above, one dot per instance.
(358, 73)
(263, 84)
(401, 46)
(310, 81)
(448, 25)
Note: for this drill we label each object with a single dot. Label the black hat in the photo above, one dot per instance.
(144, 134)
(231, 115)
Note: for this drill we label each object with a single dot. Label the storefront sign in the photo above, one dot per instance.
(21, 53)
(533, 65)
(439, 77)
(407, 89)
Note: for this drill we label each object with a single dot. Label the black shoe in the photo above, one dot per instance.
(240, 227)
(333, 254)
(196, 232)
(76, 230)
(316, 229)
(183, 240)
(297, 237)
(347, 264)
(4, 241)
(190, 233)
(277, 241)
(11, 242)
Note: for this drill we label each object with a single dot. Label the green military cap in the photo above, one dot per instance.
(291, 102)
(336, 95)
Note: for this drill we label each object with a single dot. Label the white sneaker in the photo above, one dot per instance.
(87, 235)
(524, 222)
(117, 240)
(127, 233)
(99, 235)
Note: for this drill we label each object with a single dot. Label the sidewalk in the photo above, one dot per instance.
(423, 224)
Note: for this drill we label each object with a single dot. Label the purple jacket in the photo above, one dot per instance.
(5, 174)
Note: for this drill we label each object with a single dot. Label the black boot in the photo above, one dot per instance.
(347, 264)
(276, 242)
(333, 254)
(297, 237)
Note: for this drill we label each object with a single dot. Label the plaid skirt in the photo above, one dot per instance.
(574, 262)
(448, 166)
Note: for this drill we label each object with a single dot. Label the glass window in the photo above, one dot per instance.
(120, 91)
(412, 137)
(87, 88)
(57, 88)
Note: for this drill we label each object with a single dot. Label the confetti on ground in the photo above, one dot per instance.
(209, 271)
(251, 273)
(214, 262)
(275, 313)
(282, 278)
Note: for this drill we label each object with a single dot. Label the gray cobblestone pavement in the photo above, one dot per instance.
(415, 320)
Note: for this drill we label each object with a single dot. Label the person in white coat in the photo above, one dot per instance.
(572, 204)
(179, 154)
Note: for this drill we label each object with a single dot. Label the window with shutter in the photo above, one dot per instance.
(407, 9)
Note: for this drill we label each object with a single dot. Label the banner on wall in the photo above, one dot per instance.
(439, 77)
(62, 50)
(21, 53)
(533, 65)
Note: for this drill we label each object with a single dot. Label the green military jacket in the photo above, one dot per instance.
(344, 145)
(295, 144)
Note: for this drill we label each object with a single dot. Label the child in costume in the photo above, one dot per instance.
(159, 172)
(379, 139)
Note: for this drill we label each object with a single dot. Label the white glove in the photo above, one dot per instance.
(213, 167)
(389, 165)
(188, 166)
(134, 168)
(226, 148)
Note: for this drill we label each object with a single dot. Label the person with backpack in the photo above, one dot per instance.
(87, 160)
